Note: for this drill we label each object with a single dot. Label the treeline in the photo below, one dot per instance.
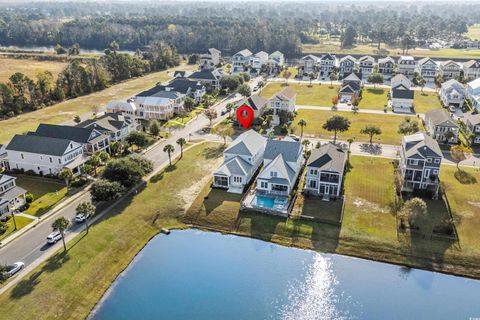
(80, 77)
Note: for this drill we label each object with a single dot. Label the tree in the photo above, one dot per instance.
(136, 138)
(371, 130)
(311, 76)
(306, 143)
(61, 225)
(4, 276)
(189, 103)
(77, 119)
(59, 49)
(125, 171)
(115, 147)
(350, 141)
(335, 100)
(302, 123)
(105, 190)
(193, 58)
(66, 175)
(95, 162)
(224, 132)
(244, 90)
(375, 78)
(211, 115)
(413, 210)
(86, 169)
(154, 128)
(348, 37)
(103, 156)
(207, 100)
(287, 74)
(87, 209)
(144, 163)
(169, 149)
(408, 126)
(460, 153)
(336, 124)
(229, 107)
(333, 77)
(181, 142)
(420, 81)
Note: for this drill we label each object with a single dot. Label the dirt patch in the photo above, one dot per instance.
(367, 206)
(189, 195)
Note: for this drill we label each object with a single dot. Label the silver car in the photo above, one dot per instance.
(13, 268)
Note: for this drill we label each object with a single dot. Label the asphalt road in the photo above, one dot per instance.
(32, 244)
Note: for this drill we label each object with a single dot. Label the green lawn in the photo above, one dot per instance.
(368, 198)
(67, 110)
(426, 101)
(293, 72)
(315, 207)
(316, 95)
(474, 32)
(46, 193)
(368, 49)
(374, 98)
(68, 286)
(21, 222)
(316, 118)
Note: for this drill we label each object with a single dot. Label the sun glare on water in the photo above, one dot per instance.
(316, 298)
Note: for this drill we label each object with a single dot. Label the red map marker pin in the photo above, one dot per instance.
(245, 116)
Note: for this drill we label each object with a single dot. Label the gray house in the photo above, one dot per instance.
(441, 127)
(452, 93)
(11, 196)
(472, 123)
(420, 160)
(325, 169)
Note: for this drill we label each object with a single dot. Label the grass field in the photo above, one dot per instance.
(316, 118)
(373, 98)
(46, 193)
(66, 110)
(68, 286)
(21, 222)
(426, 101)
(333, 47)
(316, 95)
(29, 67)
(474, 32)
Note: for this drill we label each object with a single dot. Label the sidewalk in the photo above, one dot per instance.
(347, 108)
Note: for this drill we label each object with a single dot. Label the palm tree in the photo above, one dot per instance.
(87, 209)
(306, 143)
(61, 225)
(169, 149)
(350, 141)
(104, 156)
(66, 175)
(302, 123)
(181, 142)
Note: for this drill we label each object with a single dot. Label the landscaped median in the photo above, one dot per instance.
(68, 286)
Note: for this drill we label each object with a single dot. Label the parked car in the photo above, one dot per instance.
(256, 88)
(54, 237)
(224, 112)
(81, 217)
(13, 268)
(294, 137)
(452, 109)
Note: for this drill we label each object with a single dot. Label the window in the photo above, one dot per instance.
(51, 160)
(437, 161)
(313, 172)
(429, 160)
(21, 154)
(237, 179)
(273, 174)
(263, 184)
(313, 184)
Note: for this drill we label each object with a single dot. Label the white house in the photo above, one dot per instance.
(406, 66)
(208, 78)
(240, 162)
(386, 66)
(118, 126)
(241, 60)
(284, 100)
(12, 196)
(210, 60)
(326, 64)
(471, 70)
(308, 65)
(401, 95)
(282, 162)
(276, 61)
(452, 93)
(473, 93)
(325, 168)
(427, 68)
(346, 66)
(257, 103)
(194, 89)
(126, 107)
(44, 155)
(450, 69)
(441, 127)
(365, 66)
(258, 60)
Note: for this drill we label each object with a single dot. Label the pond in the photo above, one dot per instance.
(193, 274)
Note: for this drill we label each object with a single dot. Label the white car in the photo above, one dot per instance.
(54, 237)
(81, 217)
(256, 88)
(14, 268)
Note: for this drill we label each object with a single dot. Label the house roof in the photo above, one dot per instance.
(440, 117)
(80, 135)
(400, 78)
(261, 54)
(454, 84)
(425, 60)
(347, 58)
(352, 77)
(248, 143)
(213, 51)
(444, 63)
(406, 58)
(181, 73)
(39, 144)
(386, 59)
(367, 58)
(472, 117)
(286, 172)
(276, 53)
(121, 105)
(235, 166)
(289, 149)
(108, 122)
(285, 93)
(244, 52)
(474, 84)
(310, 57)
(256, 102)
(328, 157)
(12, 194)
(328, 56)
(422, 145)
(4, 178)
(203, 75)
(471, 64)
(402, 93)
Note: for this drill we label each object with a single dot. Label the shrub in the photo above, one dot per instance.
(104, 190)
(145, 164)
(127, 172)
(79, 182)
(29, 198)
(3, 227)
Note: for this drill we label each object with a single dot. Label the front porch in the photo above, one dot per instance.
(12, 200)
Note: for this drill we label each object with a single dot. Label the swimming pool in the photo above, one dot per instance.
(265, 202)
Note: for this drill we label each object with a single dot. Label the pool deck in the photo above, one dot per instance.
(248, 200)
